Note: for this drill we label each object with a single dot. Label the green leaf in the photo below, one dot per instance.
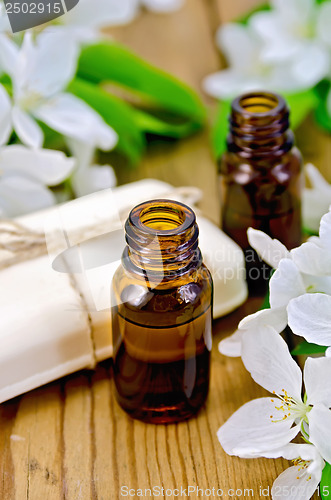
(309, 232)
(221, 129)
(118, 114)
(322, 116)
(154, 125)
(109, 61)
(325, 485)
(305, 348)
(300, 104)
(266, 302)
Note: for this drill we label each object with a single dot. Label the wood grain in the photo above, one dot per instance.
(70, 440)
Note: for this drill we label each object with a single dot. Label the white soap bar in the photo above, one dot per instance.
(53, 323)
(44, 332)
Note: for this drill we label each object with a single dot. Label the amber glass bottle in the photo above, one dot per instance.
(261, 178)
(162, 314)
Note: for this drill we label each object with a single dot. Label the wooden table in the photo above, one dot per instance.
(69, 439)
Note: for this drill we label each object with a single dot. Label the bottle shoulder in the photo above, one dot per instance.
(173, 302)
(244, 170)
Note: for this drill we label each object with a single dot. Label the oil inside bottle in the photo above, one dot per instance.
(161, 366)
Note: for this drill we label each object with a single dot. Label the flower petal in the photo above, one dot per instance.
(239, 45)
(316, 179)
(292, 484)
(315, 203)
(310, 317)
(8, 54)
(292, 451)
(163, 5)
(313, 284)
(93, 178)
(109, 12)
(5, 111)
(72, 117)
(316, 375)
(19, 195)
(26, 128)
(311, 65)
(272, 251)
(296, 13)
(34, 75)
(312, 259)
(250, 431)
(227, 83)
(278, 45)
(320, 430)
(83, 152)
(325, 230)
(231, 346)
(324, 22)
(277, 318)
(285, 284)
(4, 20)
(46, 166)
(266, 356)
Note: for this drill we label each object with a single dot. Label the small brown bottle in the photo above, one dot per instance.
(261, 179)
(162, 315)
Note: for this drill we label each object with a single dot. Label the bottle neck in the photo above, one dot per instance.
(162, 240)
(259, 126)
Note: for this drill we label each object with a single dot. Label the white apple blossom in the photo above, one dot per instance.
(246, 72)
(266, 424)
(39, 94)
(24, 176)
(300, 481)
(88, 177)
(291, 33)
(286, 49)
(290, 280)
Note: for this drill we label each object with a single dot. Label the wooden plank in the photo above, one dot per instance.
(315, 146)
(35, 446)
(70, 439)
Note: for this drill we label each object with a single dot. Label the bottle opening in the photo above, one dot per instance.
(162, 217)
(259, 103)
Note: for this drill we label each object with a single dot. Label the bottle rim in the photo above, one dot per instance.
(179, 215)
(272, 102)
